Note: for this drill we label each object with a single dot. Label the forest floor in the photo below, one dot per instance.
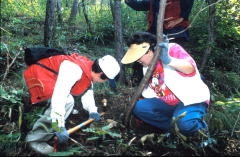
(110, 137)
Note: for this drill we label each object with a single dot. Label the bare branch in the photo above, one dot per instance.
(9, 65)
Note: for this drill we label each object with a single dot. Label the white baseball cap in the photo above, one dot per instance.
(109, 66)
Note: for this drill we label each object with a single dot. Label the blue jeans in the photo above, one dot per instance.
(157, 113)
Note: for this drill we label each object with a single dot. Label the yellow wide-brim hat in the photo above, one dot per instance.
(134, 52)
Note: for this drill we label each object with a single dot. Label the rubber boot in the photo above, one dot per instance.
(41, 147)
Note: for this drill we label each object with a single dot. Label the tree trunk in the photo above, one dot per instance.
(50, 23)
(74, 11)
(145, 79)
(118, 34)
(101, 5)
(211, 33)
(67, 3)
(93, 2)
(86, 16)
(112, 9)
(59, 12)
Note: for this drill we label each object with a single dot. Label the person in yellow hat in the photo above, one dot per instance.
(175, 86)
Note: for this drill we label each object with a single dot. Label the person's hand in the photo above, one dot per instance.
(57, 119)
(164, 56)
(95, 115)
(173, 23)
(62, 135)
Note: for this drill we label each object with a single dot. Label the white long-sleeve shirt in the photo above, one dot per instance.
(69, 74)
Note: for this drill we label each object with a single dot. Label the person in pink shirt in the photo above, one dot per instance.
(175, 86)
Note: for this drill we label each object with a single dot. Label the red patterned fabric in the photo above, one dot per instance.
(161, 90)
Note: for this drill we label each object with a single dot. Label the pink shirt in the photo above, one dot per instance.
(157, 84)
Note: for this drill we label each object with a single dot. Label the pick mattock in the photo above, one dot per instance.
(74, 129)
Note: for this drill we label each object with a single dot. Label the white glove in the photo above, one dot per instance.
(58, 117)
(88, 101)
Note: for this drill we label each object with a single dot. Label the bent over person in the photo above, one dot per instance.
(76, 75)
(175, 87)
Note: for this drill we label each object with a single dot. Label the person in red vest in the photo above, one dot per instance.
(175, 18)
(76, 75)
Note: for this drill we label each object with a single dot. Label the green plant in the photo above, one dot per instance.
(11, 111)
(11, 100)
(101, 132)
(198, 30)
(71, 151)
(228, 16)
(231, 84)
(9, 144)
(223, 117)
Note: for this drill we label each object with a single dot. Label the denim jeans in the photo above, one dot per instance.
(157, 113)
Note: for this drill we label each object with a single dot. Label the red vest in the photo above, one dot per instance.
(41, 82)
(150, 16)
(173, 11)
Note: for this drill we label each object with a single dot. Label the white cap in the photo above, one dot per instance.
(109, 66)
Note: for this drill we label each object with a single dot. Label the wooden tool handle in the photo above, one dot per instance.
(74, 129)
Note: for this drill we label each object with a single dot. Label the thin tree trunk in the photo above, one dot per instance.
(50, 23)
(118, 33)
(86, 16)
(145, 79)
(112, 9)
(101, 5)
(74, 11)
(93, 2)
(211, 33)
(67, 3)
(59, 12)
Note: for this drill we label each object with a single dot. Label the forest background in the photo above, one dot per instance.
(89, 28)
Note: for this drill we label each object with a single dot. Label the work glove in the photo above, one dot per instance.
(95, 115)
(62, 135)
(164, 56)
(57, 119)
